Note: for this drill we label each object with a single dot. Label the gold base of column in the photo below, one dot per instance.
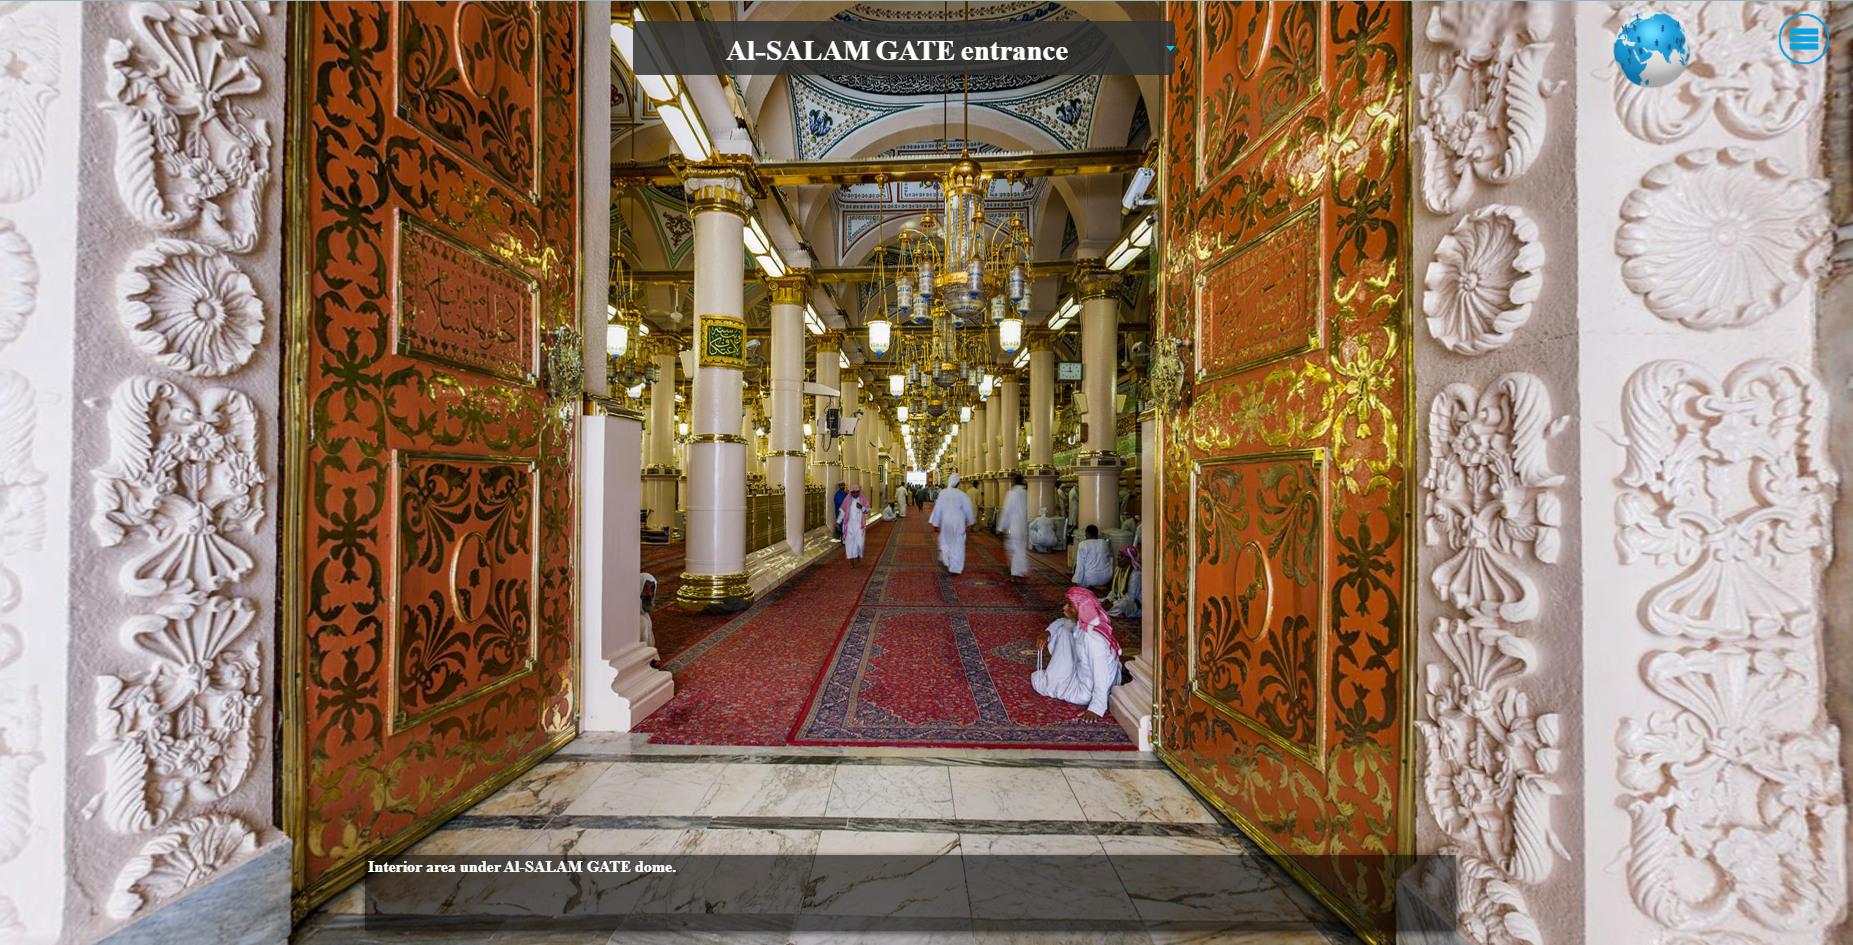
(715, 593)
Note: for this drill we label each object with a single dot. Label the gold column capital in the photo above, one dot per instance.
(830, 341)
(1041, 339)
(724, 183)
(790, 289)
(1093, 280)
(1010, 375)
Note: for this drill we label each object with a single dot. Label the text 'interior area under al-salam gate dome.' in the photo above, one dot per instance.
(1302, 473)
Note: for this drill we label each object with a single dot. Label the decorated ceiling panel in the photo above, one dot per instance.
(825, 113)
(862, 207)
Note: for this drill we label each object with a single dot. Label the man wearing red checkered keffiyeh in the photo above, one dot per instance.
(1084, 662)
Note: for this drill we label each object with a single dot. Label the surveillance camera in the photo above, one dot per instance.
(1135, 191)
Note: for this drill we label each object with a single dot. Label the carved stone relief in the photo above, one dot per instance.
(1738, 74)
(1727, 482)
(19, 282)
(1489, 776)
(183, 476)
(183, 491)
(1482, 112)
(1485, 277)
(22, 533)
(178, 859)
(1490, 494)
(188, 154)
(29, 76)
(1490, 497)
(1722, 238)
(1735, 799)
(180, 732)
(189, 308)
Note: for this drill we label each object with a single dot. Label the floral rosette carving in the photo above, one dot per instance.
(1485, 278)
(189, 308)
(1722, 238)
(1490, 494)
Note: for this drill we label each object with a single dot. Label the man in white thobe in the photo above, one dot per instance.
(1084, 663)
(1045, 531)
(1093, 560)
(1013, 521)
(1071, 500)
(900, 500)
(952, 514)
(853, 518)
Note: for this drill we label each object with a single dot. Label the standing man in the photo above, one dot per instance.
(1013, 521)
(952, 514)
(852, 518)
(900, 499)
(836, 502)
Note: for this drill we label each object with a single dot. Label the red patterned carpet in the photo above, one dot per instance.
(742, 680)
(896, 654)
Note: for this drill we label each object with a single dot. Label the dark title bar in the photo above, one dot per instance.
(837, 47)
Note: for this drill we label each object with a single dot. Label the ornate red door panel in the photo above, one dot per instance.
(429, 619)
(1285, 503)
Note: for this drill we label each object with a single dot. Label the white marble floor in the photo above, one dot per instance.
(965, 841)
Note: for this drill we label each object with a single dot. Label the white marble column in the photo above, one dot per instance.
(1010, 405)
(981, 455)
(1097, 468)
(1041, 469)
(827, 451)
(659, 470)
(852, 457)
(785, 447)
(716, 580)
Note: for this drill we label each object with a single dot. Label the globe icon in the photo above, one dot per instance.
(1651, 50)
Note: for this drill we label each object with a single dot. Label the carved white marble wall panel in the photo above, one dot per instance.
(1492, 518)
(32, 78)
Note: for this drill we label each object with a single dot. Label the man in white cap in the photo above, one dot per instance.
(952, 514)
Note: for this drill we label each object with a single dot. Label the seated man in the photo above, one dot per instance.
(1125, 595)
(1093, 560)
(1045, 532)
(887, 512)
(1084, 658)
